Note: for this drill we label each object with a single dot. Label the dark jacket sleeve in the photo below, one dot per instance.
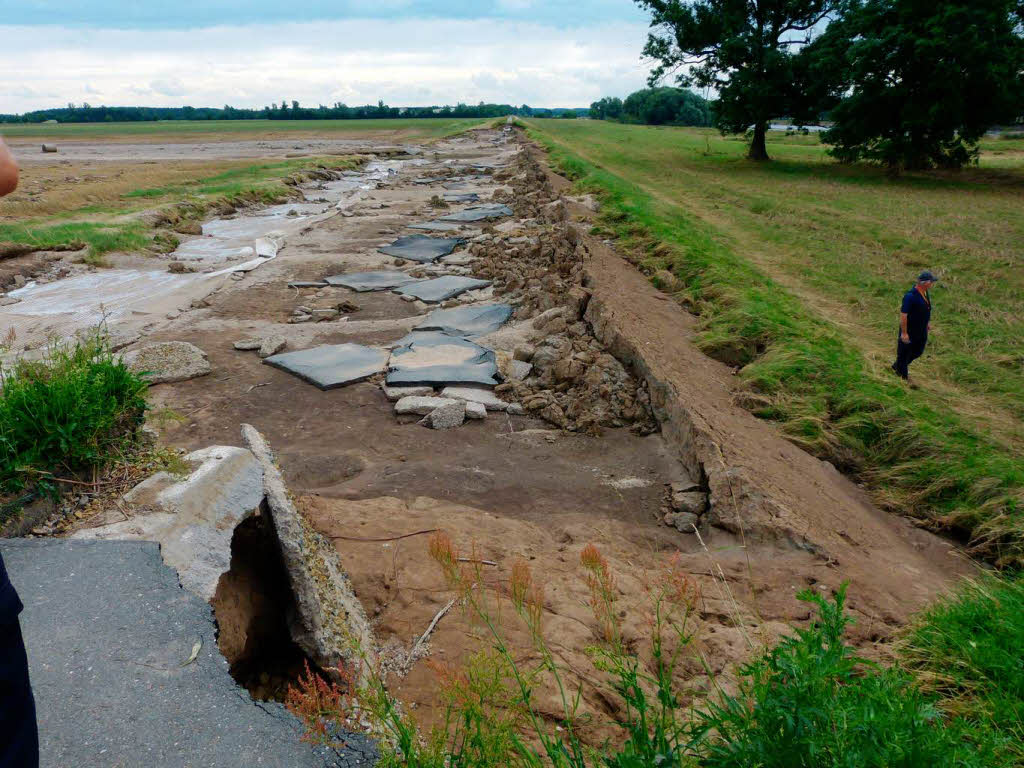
(10, 605)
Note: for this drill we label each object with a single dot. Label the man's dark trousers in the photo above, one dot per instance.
(19, 740)
(906, 353)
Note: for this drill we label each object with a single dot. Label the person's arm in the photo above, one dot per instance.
(903, 328)
(8, 170)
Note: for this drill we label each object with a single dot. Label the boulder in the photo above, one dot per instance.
(271, 345)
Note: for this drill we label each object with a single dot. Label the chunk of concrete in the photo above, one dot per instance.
(442, 288)
(447, 416)
(247, 345)
(193, 518)
(421, 248)
(467, 321)
(332, 366)
(479, 213)
(308, 284)
(272, 345)
(420, 405)
(372, 281)
(520, 369)
(168, 361)
(461, 197)
(693, 502)
(475, 411)
(479, 395)
(437, 359)
(394, 394)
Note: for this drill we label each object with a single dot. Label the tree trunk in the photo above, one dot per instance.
(758, 150)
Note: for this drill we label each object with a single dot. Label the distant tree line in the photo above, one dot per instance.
(85, 113)
(655, 106)
(906, 83)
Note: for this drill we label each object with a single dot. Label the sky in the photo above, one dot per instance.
(248, 53)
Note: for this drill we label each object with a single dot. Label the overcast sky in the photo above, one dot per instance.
(249, 53)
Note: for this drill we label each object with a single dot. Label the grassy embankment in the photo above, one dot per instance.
(92, 203)
(796, 268)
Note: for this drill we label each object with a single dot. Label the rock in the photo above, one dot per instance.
(49, 148)
(524, 353)
(394, 394)
(272, 345)
(475, 410)
(300, 319)
(476, 395)
(194, 518)
(421, 406)
(519, 370)
(6, 301)
(247, 345)
(693, 502)
(20, 281)
(447, 416)
(168, 361)
(325, 314)
(515, 409)
(407, 298)
(179, 268)
(684, 522)
(188, 228)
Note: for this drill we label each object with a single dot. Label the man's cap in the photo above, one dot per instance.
(927, 276)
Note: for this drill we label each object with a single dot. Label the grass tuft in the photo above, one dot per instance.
(72, 412)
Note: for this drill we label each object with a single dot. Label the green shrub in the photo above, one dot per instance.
(812, 701)
(68, 413)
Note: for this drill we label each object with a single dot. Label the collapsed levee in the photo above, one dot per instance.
(330, 625)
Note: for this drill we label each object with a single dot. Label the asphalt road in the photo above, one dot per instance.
(109, 633)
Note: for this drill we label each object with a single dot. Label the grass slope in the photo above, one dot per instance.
(796, 268)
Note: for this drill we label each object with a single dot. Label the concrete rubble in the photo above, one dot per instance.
(168, 361)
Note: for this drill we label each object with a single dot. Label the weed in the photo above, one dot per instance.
(71, 412)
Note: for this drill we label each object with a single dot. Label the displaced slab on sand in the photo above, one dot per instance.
(109, 635)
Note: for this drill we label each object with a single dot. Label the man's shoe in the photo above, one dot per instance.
(911, 384)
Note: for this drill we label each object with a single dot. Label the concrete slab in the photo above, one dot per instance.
(437, 359)
(193, 518)
(110, 635)
(479, 213)
(467, 321)
(441, 288)
(461, 197)
(332, 366)
(372, 281)
(484, 397)
(421, 248)
(435, 226)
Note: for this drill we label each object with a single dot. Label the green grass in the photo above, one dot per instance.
(70, 413)
(969, 648)
(100, 237)
(409, 128)
(796, 269)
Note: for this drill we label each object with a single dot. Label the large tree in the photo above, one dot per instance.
(744, 49)
(916, 83)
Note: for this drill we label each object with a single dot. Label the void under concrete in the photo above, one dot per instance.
(437, 359)
(109, 635)
(421, 247)
(333, 365)
(442, 288)
(473, 320)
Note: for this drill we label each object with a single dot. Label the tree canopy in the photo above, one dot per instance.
(744, 49)
(655, 106)
(914, 84)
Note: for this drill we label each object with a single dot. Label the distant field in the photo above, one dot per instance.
(797, 268)
(199, 130)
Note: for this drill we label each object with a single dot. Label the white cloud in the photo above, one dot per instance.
(405, 62)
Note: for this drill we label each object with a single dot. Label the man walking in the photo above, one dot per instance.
(19, 740)
(915, 317)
